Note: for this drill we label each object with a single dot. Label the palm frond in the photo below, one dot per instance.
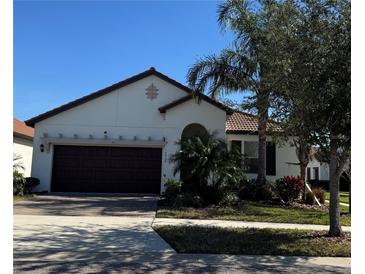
(229, 72)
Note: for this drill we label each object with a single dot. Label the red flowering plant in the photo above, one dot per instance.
(288, 188)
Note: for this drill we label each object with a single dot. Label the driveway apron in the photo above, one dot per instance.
(85, 226)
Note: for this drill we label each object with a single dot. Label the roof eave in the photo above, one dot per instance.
(152, 71)
(177, 102)
(21, 135)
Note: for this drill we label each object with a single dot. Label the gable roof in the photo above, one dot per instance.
(244, 123)
(94, 95)
(20, 129)
(188, 97)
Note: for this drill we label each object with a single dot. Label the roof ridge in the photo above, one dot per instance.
(103, 91)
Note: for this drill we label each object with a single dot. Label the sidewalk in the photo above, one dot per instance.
(344, 204)
(222, 223)
(153, 262)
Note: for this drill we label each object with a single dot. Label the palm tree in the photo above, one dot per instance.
(17, 163)
(207, 159)
(246, 67)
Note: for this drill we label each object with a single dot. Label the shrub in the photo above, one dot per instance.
(247, 190)
(205, 161)
(309, 198)
(191, 200)
(177, 202)
(21, 185)
(172, 190)
(320, 194)
(186, 200)
(230, 199)
(264, 193)
(288, 188)
(18, 183)
(30, 183)
(319, 184)
(212, 195)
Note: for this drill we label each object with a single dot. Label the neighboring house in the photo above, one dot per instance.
(241, 131)
(120, 139)
(23, 144)
(317, 168)
(318, 171)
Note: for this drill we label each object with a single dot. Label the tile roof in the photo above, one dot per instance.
(188, 97)
(245, 123)
(21, 129)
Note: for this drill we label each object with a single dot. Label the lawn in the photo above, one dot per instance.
(344, 196)
(253, 212)
(249, 241)
(17, 198)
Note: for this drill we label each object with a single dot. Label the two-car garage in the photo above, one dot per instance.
(106, 169)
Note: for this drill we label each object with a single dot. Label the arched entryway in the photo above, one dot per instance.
(190, 131)
(194, 130)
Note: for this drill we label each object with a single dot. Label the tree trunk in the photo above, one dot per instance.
(334, 211)
(262, 124)
(303, 168)
(303, 150)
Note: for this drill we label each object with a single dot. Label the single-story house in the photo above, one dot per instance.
(23, 145)
(120, 138)
(317, 168)
(318, 171)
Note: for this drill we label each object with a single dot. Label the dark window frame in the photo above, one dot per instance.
(316, 173)
(251, 163)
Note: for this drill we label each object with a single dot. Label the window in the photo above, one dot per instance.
(236, 144)
(308, 173)
(270, 158)
(251, 153)
(316, 173)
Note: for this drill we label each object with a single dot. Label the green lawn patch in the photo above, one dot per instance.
(249, 241)
(17, 198)
(344, 197)
(253, 212)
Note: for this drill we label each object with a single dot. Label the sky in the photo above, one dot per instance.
(64, 50)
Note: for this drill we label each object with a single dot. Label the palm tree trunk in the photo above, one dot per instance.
(303, 156)
(303, 167)
(334, 211)
(263, 103)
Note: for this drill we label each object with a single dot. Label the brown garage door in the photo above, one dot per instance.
(106, 169)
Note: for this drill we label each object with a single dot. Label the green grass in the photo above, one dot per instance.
(344, 196)
(253, 212)
(17, 198)
(249, 241)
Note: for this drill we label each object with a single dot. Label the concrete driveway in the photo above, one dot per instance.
(88, 205)
(113, 234)
(82, 227)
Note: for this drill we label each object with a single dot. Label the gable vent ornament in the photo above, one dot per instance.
(152, 92)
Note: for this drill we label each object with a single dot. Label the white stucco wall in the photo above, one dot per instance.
(24, 148)
(129, 113)
(285, 154)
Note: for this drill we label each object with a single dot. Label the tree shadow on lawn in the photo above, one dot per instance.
(97, 249)
(252, 241)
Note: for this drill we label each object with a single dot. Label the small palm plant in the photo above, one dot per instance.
(17, 163)
(18, 177)
(207, 161)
